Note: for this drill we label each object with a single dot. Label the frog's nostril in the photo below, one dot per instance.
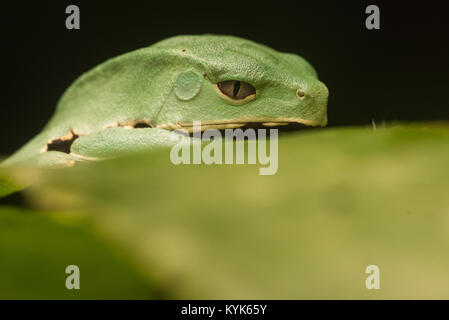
(300, 94)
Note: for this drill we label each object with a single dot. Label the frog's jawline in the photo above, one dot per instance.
(292, 123)
(64, 143)
(281, 127)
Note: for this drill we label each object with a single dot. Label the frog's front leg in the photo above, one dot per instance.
(104, 144)
(112, 142)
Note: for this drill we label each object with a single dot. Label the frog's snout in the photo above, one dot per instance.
(313, 97)
(315, 91)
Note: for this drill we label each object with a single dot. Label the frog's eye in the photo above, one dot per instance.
(238, 91)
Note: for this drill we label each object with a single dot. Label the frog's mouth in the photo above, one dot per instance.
(64, 143)
(283, 124)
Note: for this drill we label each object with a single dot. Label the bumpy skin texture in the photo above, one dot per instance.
(168, 86)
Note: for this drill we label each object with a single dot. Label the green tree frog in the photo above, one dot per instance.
(138, 100)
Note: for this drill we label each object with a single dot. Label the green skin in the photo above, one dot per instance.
(168, 86)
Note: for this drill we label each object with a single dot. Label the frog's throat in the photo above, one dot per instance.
(231, 124)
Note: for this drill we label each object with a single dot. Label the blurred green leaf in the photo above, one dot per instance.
(35, 252)
(7, 184)
(343, 199)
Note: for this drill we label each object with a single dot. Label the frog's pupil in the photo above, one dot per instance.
(236, 88)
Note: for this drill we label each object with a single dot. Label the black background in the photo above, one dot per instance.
(397, 73)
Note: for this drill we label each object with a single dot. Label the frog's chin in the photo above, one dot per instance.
(280, 123)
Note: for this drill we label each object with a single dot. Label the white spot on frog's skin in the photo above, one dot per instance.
(274, 124)
(187, 85)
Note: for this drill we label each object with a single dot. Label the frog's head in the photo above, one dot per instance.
(222, 81)
(229, 82)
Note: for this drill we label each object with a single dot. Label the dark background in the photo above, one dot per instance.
(397, 73)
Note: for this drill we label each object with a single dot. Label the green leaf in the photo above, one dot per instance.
(36, 250)
(7, 184)
(342, 199)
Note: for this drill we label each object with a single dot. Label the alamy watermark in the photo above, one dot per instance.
(72, 282)
(73, 19)
(196, 151)
(372, 282)
(372, 21)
